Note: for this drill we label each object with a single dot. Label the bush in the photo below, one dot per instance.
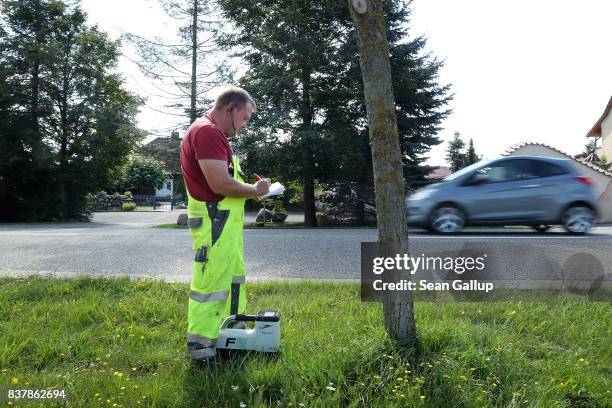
(277, 206)
(128, 206)
(128, 194)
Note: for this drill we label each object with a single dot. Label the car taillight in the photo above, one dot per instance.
(584, 180)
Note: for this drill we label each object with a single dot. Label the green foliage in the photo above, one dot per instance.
(145, 172)
(454, 154)
(128, 206)
(471, 156)
(278, 206)
(305, 76)
(69, 122)
(589, 148)
(166, 152)
(128, 194)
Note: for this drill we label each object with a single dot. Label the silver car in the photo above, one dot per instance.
(517, 190)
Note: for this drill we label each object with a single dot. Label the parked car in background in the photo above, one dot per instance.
(518, 190)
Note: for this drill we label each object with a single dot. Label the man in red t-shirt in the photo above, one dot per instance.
(217, 191)
(206, 155)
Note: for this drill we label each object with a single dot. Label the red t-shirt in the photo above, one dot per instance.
(203, 140)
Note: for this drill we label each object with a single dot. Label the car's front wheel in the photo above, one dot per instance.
(578, 219)
(447, 220)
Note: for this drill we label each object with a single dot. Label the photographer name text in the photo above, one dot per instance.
(424, 285)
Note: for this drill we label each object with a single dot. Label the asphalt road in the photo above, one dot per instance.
(126, 244)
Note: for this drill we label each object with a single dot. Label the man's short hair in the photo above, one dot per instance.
(233, 94)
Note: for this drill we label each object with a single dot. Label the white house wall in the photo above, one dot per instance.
(166, 191)
(606, 138)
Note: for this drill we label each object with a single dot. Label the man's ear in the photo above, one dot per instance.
(231, 107)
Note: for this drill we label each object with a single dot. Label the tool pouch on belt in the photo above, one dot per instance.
(218, 219)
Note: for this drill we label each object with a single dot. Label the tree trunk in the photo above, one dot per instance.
(362, 198)
(35, 97)
(194, 61)
(63, 176)
(368, 17)
(306, 112)
(36, 67)
(310, 219)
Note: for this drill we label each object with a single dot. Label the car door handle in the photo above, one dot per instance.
(532, 186)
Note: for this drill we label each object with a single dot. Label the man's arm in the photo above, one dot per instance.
(221, 183)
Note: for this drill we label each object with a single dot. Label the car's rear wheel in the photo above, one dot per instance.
(447, 220)
(541, 227)
(578, 219)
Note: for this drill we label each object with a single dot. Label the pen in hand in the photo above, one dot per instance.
(260, 198)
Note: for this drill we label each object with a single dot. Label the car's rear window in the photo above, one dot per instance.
(546, 169)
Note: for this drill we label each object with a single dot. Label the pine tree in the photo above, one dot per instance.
(454, 154)
(310, 122)
(471, 156)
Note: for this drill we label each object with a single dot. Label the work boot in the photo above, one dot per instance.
(200, 355)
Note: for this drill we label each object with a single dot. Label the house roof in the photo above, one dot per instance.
(441, 171)
(585, 162)
(596, 129)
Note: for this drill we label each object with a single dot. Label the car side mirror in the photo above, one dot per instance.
(477, 179)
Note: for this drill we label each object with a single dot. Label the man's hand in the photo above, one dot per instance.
(221, 183)
(262, 187)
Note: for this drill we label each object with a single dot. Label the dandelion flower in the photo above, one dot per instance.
(14, 380)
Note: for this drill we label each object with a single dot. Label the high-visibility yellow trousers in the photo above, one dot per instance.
(216, 229)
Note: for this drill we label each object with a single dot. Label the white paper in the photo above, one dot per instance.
(275, 189)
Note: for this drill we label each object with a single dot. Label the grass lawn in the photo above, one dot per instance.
(121, 343)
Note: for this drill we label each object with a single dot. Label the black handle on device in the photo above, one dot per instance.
(235, 297)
